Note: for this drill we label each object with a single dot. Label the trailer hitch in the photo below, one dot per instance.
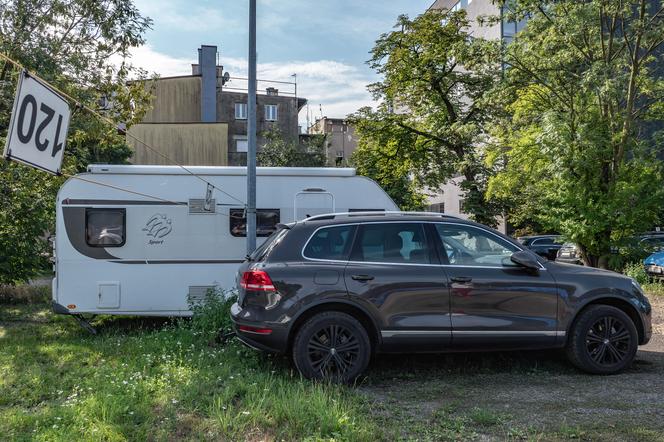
(85, 324)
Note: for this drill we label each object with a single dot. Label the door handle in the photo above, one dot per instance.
(362, 277)
(461, 279)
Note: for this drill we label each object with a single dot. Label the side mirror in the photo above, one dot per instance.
(525, 259)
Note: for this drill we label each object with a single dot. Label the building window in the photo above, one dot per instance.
(437, 207)
(266, 222)
(105, 227)
(241, 144)
(240, 111)
(271, 112)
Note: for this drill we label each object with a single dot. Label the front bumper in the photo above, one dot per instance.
(654, 270)
(569, 260)
(275, 342)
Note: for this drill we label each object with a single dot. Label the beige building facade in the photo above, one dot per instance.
(340, 139)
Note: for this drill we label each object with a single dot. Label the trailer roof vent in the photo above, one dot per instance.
(197, 207)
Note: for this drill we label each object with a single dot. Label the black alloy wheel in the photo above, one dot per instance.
(608, 341)
(332, 346)
(603, 340)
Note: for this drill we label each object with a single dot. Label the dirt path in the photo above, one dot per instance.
(521, 395)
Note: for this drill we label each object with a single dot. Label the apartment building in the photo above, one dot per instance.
(201, 119)
(340, 139)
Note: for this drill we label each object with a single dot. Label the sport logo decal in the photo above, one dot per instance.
(157, 227)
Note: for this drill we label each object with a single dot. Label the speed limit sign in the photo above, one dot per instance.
(38, 125)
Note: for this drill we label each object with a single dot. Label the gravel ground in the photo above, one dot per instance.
(521, 395)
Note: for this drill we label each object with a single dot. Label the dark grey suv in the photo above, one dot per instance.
(334, 289)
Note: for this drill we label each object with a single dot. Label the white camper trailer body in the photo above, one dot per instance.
(149, 252)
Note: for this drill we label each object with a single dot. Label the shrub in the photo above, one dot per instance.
(24, 294)
(211, 315)
(637, 271)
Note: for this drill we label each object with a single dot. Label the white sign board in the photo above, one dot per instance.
(38, 126)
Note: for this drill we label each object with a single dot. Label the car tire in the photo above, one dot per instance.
(332, 346)
(603, 340)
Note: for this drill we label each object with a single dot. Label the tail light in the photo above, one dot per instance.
(257, 281)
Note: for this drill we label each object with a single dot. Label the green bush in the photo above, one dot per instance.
(637, 271)
(211, 315)
(24, 294)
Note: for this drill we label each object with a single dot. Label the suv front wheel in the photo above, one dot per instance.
(333, 346)
(603, 340)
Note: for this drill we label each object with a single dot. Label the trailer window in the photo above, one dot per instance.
(266, 222)
(105, 227)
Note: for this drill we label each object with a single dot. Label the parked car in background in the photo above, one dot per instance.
(654, 265)
(546, 246)
(332, 290)
(569, 254)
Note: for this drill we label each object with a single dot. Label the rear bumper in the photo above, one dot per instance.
(275, 342)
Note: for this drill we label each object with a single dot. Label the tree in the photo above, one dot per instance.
(578, 149)
(69, 43)
(281, 152)
(434, 103)
(394, 177)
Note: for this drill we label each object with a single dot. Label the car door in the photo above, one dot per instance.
(393, 273)
(494, 302)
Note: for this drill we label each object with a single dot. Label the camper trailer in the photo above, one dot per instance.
(144, 240)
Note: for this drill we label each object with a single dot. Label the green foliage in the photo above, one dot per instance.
(430, 124)
(24, 294)
(212, 315)
(71, 45)
(392, 176)
(636, 271)
(574, 147)
(281, 152)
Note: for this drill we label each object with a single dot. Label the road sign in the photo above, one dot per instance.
(38, 125)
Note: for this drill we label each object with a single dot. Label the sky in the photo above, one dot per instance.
(326, 43)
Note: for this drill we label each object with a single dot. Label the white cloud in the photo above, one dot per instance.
(187, 17)
(338, 87)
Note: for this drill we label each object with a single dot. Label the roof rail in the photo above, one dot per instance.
(377, 213)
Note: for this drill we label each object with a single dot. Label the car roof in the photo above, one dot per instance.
(380, 216)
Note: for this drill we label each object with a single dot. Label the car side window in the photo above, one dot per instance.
(542, 241)
(331, 243)
(469, 246)
(398, 243)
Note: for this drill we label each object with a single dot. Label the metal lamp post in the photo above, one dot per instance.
(251, 133)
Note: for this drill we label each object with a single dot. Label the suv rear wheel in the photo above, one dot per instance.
(333, 346)
(603, 340)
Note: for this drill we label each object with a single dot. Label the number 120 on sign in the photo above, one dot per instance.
(38, 126)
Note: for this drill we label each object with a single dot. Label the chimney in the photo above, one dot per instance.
(207, 67)
(272, 91)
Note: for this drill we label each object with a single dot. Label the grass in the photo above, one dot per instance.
(148, 379)
(59, 383)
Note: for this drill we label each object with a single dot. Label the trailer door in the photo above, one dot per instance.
(310, 203)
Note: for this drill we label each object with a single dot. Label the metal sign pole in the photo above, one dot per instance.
(251, 133)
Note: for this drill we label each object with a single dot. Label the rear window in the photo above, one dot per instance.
(270, 243)
(331, 243)
(105, 227)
